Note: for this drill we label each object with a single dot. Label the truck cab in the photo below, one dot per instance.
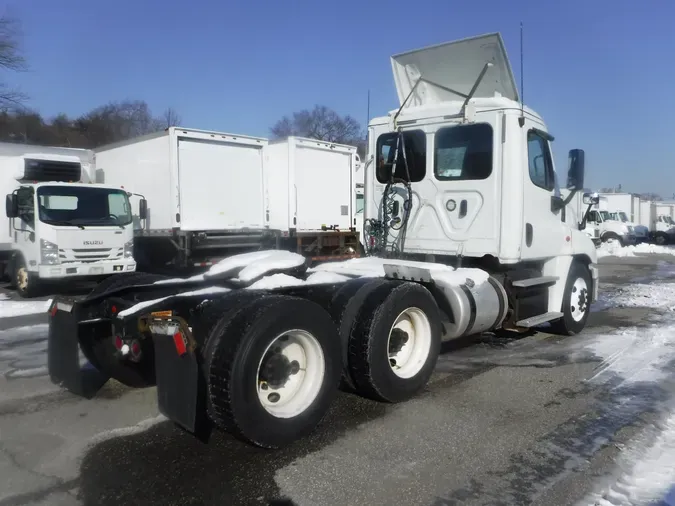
(463, 173)
(59, 230)
(641, 232)
(611, 229)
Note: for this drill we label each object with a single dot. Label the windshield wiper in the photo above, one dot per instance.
(63, 223)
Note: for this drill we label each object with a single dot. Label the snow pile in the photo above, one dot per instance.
(637, 364)
(614, 249)
(647, 469)
(657, 296)
(25, 348)
(284, 280)
(634, 354)
(255, 264)
(374, 267)
(13, 308)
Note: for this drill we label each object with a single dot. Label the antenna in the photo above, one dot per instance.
(521, 120)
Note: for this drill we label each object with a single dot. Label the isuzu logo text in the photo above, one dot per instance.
(92, 243)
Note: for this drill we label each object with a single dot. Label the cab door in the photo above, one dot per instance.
(23, 227)
(544, 230)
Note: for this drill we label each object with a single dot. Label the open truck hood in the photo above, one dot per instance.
(450, 70)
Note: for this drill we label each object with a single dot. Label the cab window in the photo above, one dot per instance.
(463, 153)
(416, 156)
(26, 203)
(540, 161)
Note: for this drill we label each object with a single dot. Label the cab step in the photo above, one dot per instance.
(533, 321)
(530, 282)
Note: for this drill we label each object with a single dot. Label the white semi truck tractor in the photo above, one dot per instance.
(466, 233)
(59, 225)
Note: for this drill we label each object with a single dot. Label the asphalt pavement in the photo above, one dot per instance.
(504, 421)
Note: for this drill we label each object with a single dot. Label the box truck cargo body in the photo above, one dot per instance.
(212, 194)
(60, 226)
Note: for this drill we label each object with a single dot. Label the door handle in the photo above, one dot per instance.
(462, 208)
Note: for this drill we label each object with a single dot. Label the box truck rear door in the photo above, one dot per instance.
(221, 185)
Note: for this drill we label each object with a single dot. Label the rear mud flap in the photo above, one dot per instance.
(181, 388)
(63, 357)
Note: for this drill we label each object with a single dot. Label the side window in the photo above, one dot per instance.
(416, 155)
(26, 205)
(360, 204)
(539, 157)
(117, 205)
(463, 152)
(593, 216)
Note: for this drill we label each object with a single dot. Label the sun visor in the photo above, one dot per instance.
(450, 70)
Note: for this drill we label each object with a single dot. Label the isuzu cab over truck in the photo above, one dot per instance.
(59, 226)
(466, 231)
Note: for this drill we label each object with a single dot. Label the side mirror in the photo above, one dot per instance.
(143, 209)
(575, 173)
(11, 206)
(591, 198)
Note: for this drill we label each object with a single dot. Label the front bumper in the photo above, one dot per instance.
(81, 269)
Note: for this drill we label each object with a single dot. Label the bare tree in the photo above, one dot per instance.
(10, 59)
(171, 118)
(321, 123)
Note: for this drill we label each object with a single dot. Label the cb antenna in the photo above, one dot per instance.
(521, 120)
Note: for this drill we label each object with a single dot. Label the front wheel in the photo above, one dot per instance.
(576, 301)
(27, 283)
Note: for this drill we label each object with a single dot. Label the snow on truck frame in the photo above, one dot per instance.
(466, 232)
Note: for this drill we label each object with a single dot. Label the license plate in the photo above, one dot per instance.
(96, 270)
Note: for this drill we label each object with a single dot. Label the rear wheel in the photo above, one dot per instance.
(395, 343)
(101, 351)
(576, 301)
(274, 368)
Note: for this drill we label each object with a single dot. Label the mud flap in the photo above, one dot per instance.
(181, 389)
(63, 357)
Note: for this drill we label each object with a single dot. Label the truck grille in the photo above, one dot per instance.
(90, 255)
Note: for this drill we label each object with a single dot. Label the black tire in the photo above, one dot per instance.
(369, 352)
(611, 235)
(30, 286)
(661, 238)
(240, 340)
(100, 350)
(567, 325)
(344, 309)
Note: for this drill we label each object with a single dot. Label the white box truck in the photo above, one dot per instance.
(310, 198)
(477, 241)
(625, 208)
(212, 194)
(60, 226)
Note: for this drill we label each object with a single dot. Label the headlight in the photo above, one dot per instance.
(129, 249)
(49, 253)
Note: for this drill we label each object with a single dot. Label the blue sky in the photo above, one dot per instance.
(599, 71)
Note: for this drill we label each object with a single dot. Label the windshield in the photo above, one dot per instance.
(605, 215)
(81, 205)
